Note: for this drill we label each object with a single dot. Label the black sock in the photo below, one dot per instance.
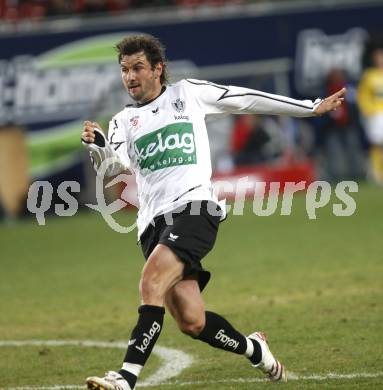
(219, 333)
(256, 357)
(142, 341)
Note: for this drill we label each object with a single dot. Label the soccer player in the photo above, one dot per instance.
(162, 138)
(370, 100)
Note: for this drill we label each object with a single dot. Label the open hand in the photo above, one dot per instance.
(331, 103)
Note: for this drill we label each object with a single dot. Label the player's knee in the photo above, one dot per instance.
(192, 328)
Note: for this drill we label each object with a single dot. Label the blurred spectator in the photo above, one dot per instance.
(35, 10)
(248, 140)
(89, 7)
(370, 99)
(197, 3)
(94, 6)
(59, 7)
(13, 10)
(151, 3)
(341, 146)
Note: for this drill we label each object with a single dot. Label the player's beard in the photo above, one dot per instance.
(144, 92)
(137, 93)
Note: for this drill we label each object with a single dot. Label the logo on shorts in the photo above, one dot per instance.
(167, 147)
(172, 237)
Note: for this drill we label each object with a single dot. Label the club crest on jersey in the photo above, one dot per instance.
(179, 105)
(134, 121)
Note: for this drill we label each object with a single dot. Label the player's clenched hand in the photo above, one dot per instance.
(88, 134)
(331, 103)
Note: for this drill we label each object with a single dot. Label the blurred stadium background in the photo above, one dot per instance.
(58, 67)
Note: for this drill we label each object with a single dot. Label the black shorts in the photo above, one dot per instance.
(191, 237)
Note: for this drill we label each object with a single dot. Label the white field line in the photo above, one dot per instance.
(291, 377)
(173, 361)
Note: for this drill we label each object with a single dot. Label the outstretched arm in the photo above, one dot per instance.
(331, 103)
(216, 99)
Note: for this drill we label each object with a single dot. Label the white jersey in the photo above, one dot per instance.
(165, 141)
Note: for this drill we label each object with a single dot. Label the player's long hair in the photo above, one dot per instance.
(151, 46)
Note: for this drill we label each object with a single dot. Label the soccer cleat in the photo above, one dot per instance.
(111, 381)
(268, 364)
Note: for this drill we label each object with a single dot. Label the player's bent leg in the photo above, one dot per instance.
(161, 272)
(184, 302)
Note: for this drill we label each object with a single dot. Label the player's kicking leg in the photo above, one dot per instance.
(185, 303)
(161, 271)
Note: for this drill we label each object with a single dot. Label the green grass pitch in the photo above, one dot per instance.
(314, 286)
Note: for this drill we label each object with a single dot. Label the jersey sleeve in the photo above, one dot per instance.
(218, 99)
(118, 140)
